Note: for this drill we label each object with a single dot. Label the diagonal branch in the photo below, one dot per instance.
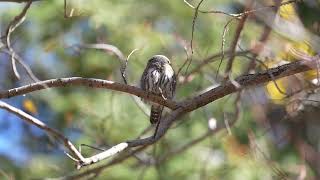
(235, 43)
(34, 121)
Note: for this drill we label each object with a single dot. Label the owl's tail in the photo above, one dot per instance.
(156, 111)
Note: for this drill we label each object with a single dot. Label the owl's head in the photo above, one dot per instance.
(159, 60)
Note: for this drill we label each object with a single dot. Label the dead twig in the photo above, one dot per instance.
(192, 32)
(225, 30)
(16, 22)
(234, 44)
(239, 15)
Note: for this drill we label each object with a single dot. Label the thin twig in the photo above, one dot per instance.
(124, 66)
(23, 64)
(234, 44)
(193, 24)
(107, 47)
(185, 62)
(239, 15)
(225, 30)
(192, 32)
(17, 21)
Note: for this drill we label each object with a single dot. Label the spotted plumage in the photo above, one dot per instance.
(160, 79)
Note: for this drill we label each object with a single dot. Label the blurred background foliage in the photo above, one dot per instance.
(262, 143)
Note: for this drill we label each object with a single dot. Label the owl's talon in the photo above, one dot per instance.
(162, 94)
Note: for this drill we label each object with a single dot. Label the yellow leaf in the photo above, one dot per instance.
(310, 75)
(296, 50)
(274, 94)
(29, 106)
(288, 12)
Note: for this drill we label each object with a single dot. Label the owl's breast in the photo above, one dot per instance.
(168, 71)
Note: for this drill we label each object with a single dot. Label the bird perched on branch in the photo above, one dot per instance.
(159, 78)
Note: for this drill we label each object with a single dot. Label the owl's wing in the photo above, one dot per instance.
(174, 84)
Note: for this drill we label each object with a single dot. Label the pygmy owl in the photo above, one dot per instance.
(159, 78)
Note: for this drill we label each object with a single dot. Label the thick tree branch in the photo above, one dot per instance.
(89, 82)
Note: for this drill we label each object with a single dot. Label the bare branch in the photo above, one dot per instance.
(80, 160)
(185, 62)
(238, 16)
(11, 27)
(108, 47)
(225, 30)
(234, 44)
(194, 22)
(212, 11)
(89, 82)
(124, 66)
(98, 169)
(114, 50)
(189, 60)
(23, 64)
(200, 100)
(34, 121)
